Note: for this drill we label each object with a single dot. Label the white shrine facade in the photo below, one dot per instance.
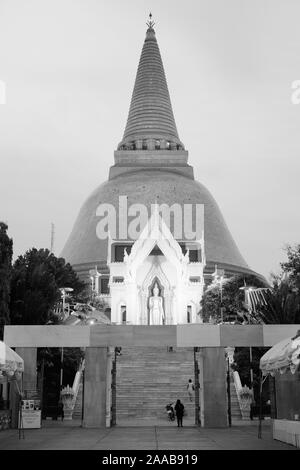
(155, 282)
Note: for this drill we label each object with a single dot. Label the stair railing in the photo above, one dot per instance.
(245, 410)
(76, 382)
(237, 381)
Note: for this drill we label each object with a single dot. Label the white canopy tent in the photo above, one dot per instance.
(282, 357)
(11, 368)
(11, 364)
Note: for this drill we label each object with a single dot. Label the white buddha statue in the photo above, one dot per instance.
(157, 314)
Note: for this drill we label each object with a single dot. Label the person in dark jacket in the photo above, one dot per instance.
(179, 408)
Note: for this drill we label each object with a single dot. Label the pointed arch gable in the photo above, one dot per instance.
(156, 272)
(155, 233)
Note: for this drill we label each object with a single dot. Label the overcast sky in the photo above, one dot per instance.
(69, 68)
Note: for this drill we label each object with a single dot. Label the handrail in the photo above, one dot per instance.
(237, 381)
(238, 387)
(77, 380)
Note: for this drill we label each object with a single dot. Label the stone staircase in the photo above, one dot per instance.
(150, 378)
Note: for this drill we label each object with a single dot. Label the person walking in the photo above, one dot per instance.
(190, 388)
(179, 408)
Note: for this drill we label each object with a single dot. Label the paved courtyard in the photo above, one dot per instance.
(69, 436)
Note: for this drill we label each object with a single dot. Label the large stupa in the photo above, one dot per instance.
(151, 167)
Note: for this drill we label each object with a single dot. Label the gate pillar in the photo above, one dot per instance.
(214, 387)
(94, 396)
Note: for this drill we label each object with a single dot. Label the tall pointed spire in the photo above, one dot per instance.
(150, 124)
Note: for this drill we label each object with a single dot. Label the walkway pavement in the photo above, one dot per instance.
(57, 436)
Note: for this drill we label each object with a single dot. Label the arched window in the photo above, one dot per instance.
(189, 314)
(123, 315)
(104, 285)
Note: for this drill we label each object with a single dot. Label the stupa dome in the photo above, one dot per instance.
(151, 166)
(84, 249)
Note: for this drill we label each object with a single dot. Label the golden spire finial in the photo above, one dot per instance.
(150, 23)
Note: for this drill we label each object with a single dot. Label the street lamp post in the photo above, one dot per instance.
(197, 388)
(220, 281)
(221, 299)
(247, 290)
(229, 351)
(95, 275)
(251, 370)
(229, 392)
(64, 291)
(218, 276)
(61, 369)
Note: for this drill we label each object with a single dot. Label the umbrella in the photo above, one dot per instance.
(282, 356)
(10, 362)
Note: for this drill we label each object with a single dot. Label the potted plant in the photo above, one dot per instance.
(245, 399)
(67, 398)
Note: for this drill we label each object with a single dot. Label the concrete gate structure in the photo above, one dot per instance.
(100, 339)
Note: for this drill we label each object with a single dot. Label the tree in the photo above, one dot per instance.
(36, 279)
(232, 298)
(6, 252)
(291, 267)
(282, 303)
